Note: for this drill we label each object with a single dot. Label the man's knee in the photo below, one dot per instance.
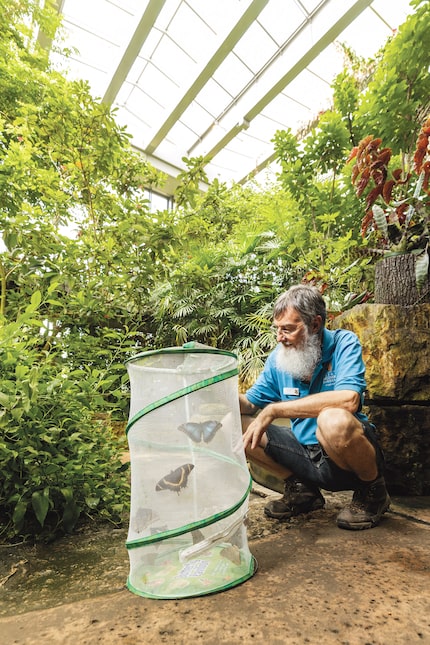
(336, 426)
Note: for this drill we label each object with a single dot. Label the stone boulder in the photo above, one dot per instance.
(396, 351)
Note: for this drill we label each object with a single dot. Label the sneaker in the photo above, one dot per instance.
(368, 504)
(298, 498)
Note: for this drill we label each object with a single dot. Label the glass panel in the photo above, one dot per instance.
(255, 48)
(184, 39)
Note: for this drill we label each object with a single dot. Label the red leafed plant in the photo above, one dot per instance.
(397, 202)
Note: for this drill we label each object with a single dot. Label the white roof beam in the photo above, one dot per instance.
(258, 168)
(170, 170)
(144, 27)
(222, 52)
(251, 111)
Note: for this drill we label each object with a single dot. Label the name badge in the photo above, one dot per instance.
(291, 391)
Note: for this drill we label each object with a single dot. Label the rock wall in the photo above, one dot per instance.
(396, 350)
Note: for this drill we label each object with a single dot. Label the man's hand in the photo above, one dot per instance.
(252, 436)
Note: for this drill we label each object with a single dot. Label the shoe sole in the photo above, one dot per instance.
(319, 504)
(361, 526)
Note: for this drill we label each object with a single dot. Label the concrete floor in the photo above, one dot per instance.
(315, 584)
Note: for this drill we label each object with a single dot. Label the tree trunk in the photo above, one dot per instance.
(395, 282)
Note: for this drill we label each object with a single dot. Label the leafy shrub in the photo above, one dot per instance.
(57, 463)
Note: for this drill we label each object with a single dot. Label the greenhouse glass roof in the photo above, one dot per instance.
(217, 78)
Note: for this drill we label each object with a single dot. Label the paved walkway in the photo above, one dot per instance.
(315, 584)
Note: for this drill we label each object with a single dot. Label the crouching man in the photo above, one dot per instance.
(315, 378)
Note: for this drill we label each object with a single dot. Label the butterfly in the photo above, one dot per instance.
(176, 479)
(201, 431)
(143, 518)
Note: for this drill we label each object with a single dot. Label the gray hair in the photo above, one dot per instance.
(306, 300)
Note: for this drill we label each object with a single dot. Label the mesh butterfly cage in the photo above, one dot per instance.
(190, 482)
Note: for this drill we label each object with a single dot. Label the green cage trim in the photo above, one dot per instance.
(253, 566)
(186, 349)
(187, 528)
(180, 393)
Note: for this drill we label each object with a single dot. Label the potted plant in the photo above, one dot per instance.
(396, 219)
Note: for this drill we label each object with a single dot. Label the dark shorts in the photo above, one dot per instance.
(311, 463)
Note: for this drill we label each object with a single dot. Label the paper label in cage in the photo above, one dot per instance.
(193, 569)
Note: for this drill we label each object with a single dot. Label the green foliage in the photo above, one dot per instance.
(57, 462)
(79, 243)
(347, 88)
(88, 276)
(397, 99)
(222, 265)
(346, 95)
(213, 215)
(320, 238)
(73, 207)
(189, 181)
(325, 148)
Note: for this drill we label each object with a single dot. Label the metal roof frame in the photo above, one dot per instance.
(167, 132)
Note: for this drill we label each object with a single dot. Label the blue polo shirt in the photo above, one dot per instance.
(341, 368)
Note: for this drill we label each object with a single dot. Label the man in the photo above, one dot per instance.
(314, 378)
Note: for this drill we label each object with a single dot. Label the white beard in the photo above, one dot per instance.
(300, 362)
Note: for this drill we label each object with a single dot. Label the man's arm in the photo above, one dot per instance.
(310, 406)
(303, 408)
(246, 407)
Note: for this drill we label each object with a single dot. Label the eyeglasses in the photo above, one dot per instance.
(286, 331)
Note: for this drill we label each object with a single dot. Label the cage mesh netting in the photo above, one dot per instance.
(189, 479)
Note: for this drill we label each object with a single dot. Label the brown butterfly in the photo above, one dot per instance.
(176, 479)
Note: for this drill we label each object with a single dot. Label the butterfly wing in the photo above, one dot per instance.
(210, 428)
(143, 518)
(176, 479)
(192, 430)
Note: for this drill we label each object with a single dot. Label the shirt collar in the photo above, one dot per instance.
(327, 346)
(326, 354)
